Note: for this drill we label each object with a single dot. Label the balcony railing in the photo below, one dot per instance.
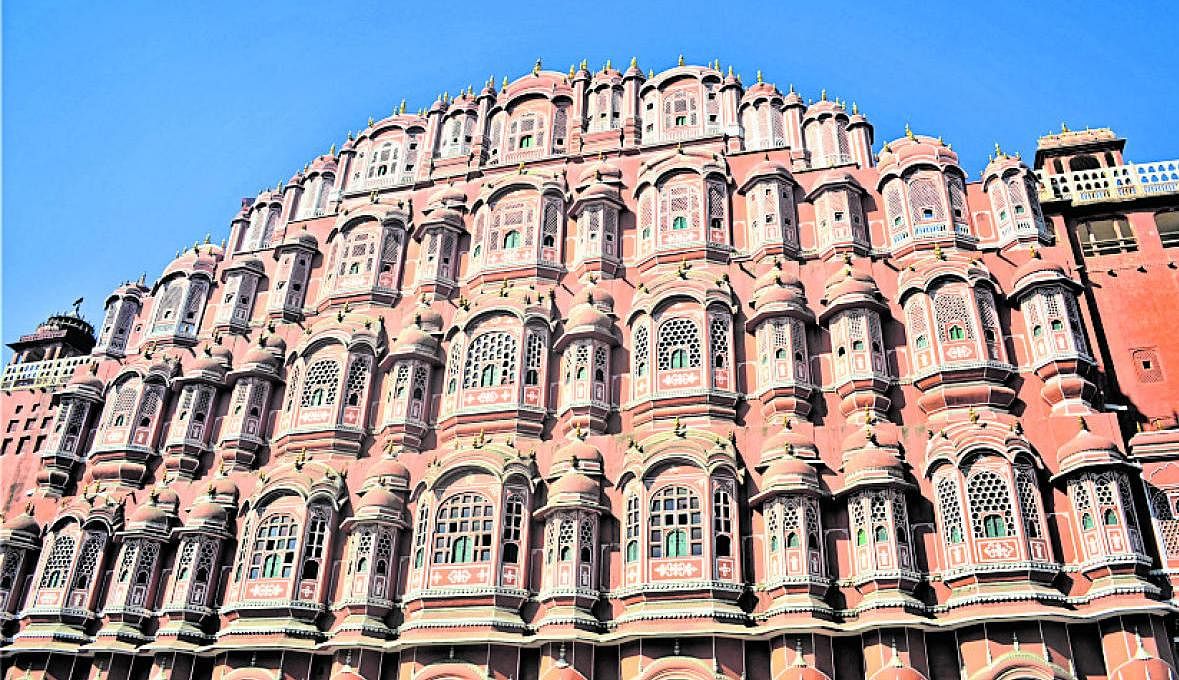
(1116, 183)
(32, 375)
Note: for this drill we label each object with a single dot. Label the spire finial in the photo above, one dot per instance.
(1064, 127)
(607, 65)
(536, 68)
(681, 61)
(759, 75)
(908, 131)
(571, 71)
(332, 150)
(1082, 423)
(634, 62)
(401, 107)
(855, 108)
(823, 94)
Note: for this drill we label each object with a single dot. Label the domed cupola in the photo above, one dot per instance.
(1047, 299)
(924, 191)
(597, 207)
(138, 577)
(132, 420)
(571, 516)
(841, 221)
(683, 208)
(78, 404)
(604, 105)
(192, 422)
(288, 294)
(760, 113)
(789, 441)
(122, 308)
(329, 381)
(771, 209)
(779, 319)
(1014, 195)
(852, 315)
(824, 128)
(180, 296)
(412, 359)
(241, 280)
(439, 231)
(1087, 449)
(586, 345)
(244, 427)
(20, 540)
(875, 485)
(387, 472)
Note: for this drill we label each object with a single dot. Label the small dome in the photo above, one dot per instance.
(1037, 270)
(575, 483)
(873, 460)
(778, 286)
(388, 467)
(600, 171)
(912, 149)
(85, 377)
(585, 315)
(149, 513)
(1088, 448)
(301, 238)
(24, 523)
(379, 497)
(275, 343)
(769, 168)
(208, 512)
(898, 673)
(260, 356)
(1148, 668)
(429, 320)
(448, 196)
(579, 454)
(412, 337)
(789, 470)
(222, 489)
(850, 281)
(787, 440)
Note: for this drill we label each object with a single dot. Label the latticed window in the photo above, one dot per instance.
(925, 200)
(894, 206)
(551, 228)
(88, 556)
(565, 536)
(641, 350)
(357, 381)
(916, 322)
(585, 537)
(491, 361)
(990, 505)
(57, 564)
(954, 321)
(990, 322)
(958, 199)
(675, 523)
(718, 331)
(149, 406)
(292, 388)
(124, 400)
(1166, 516)
(323, 380)
(951, 509)
(679, 345)
(274, 548)
(513, 521)
(1029, 498)
(534, 354)
(716, 206)
(632, 528)
(463, 530)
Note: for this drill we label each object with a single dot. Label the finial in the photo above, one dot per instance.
(504, 87)
(370, 121)
(607, 65)
(650, 73)
(401, 107)
(1064, 127)
(791, 88)
(634, 62)
(577, 431)
(681, 61)
(908, 131)
(1082, 423)
(972, 415)
(584, 64)
(823, 95)
(937, 251)
(571, 71)
(730, 70)
(759, 75)
(536, 68)
(855, 108)
(332, 150)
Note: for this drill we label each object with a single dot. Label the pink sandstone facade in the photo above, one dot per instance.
(618, 375)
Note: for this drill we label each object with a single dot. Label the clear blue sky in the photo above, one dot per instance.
(132, 128)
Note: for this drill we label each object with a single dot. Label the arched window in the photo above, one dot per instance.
(57, 564)
(679, 344)
(274, 548)
(722, 522)
(680, 222)
(491, 360)
(463, 530)
(956, 333)
(314, 544)
(323, 379)
(632, 528)
(513, 521)
(640, 349)
(951, 509)
(512, 239)
(675, 523)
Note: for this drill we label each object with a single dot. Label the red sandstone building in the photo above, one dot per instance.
(619, 375)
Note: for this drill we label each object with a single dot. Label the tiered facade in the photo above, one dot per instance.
(619, 375)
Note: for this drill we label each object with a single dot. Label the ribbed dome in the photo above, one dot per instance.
(149, 513)
(84, 377)
(208, 512)
(412, 337)
(600, 171)
(789, 470)
(850, 281)
(1151, 668)
(586, 315)
(388, 467)
(777, 286)
(1087, 448)
(578, 453)
(874, 459)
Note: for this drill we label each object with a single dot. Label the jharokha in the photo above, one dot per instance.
(619, 375)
